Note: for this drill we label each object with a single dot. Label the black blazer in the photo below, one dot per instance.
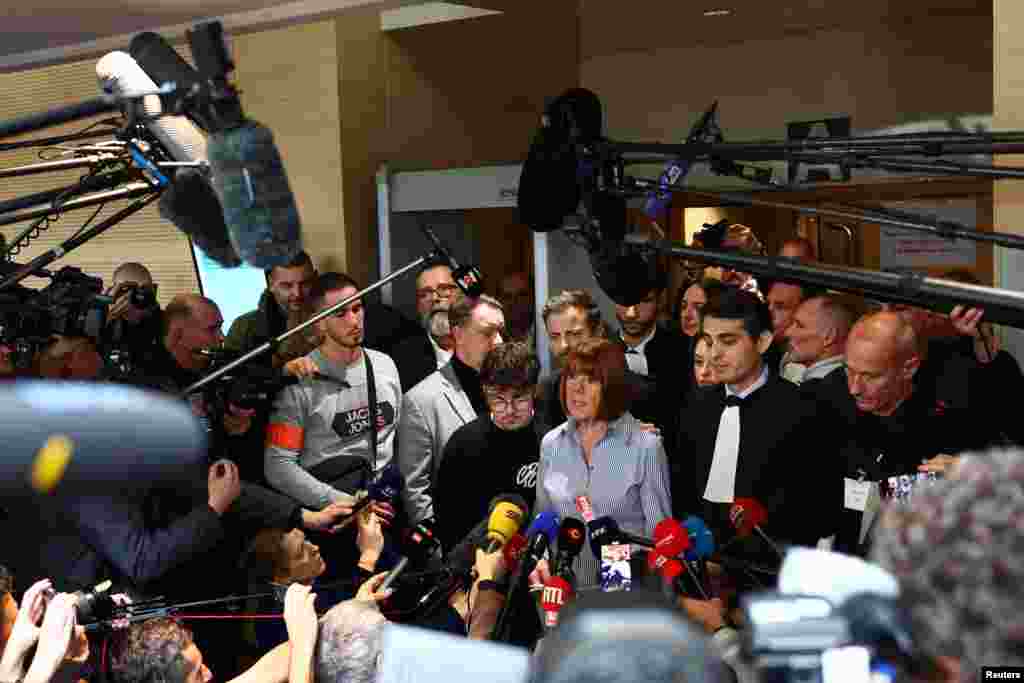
(781, 458)
(415, 359)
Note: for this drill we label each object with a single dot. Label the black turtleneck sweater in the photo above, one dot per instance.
(481, 461)
(469, 380)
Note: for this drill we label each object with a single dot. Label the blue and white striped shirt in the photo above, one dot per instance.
(627, 480)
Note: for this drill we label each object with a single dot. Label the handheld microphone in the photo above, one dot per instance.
(384, 489)
(748, 514)
(540, 536)
(571, 536)
(462, 556)
(557, 594)
(671, 540)
(504, 522)
(605, 530)
(513, 551)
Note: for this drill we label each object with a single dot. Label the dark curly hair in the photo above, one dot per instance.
(957, 549)
(152, 652)
(513, 364)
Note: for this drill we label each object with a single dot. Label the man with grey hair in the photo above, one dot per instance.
(420, 355)
(817, 338)
(349, 647)
(446, 400)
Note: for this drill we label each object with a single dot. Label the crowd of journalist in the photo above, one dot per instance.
(685, 405)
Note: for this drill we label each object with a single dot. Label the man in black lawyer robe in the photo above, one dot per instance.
(752, 436)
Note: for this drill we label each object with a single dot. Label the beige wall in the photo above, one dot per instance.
(890, 75)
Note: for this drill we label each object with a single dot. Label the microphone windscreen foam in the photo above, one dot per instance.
(546, 523)
(754, 514)
(670, 538)
(251, 183)
(504, 521)
(190, 203)
(388, 484)
(119, 74)
(571, 536)
(89, 439)
(702, 541)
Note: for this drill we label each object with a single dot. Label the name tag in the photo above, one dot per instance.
(855, 494)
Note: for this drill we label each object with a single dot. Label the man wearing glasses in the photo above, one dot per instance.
(447, 399)
(420, 355)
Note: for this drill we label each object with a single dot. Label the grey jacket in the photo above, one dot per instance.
(431, 412)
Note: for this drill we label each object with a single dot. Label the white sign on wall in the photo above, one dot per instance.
(912, 249)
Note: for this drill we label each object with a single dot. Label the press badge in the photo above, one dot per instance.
(615, 570)
(855, 494)
(585, 509)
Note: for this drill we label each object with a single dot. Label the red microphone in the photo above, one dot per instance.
(747, 515)
(557, 593)
(513, 551)
(671, 540)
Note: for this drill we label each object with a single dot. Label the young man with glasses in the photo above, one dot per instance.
(423, 354)
(446, 400)
(495, 453)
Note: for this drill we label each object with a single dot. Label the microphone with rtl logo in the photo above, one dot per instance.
(747, 515)
(557, 593)
(504, 522)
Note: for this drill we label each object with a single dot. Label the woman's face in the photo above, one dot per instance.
(582, 396)
(693, 303)
(702, 369)
(304, 561)
(511, 407)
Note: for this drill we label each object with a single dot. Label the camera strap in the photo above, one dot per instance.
(371, 394)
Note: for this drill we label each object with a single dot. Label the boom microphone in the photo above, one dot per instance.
(248, 174)
(189, 202)
(119, 74)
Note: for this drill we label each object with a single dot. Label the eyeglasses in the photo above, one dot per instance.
(442, 292)
(500, 404)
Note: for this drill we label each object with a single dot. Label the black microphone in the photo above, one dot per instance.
(164, 65)
(469, 278)
(572, 534)
(605, 530)
(706, 131)
(384, 489)
(550, 183)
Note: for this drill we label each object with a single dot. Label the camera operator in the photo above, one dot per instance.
(134, 320)
(46, 622)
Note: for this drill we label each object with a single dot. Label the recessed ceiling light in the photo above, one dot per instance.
(717, 12)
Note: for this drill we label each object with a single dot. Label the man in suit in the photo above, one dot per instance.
(447, 399)
(569, 318)
(422, 354)
(776, 450)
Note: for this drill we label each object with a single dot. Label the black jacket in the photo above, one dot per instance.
(415, 359)
(783, 457)
(480, 462)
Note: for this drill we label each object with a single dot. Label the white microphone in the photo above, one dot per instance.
(120, 74)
